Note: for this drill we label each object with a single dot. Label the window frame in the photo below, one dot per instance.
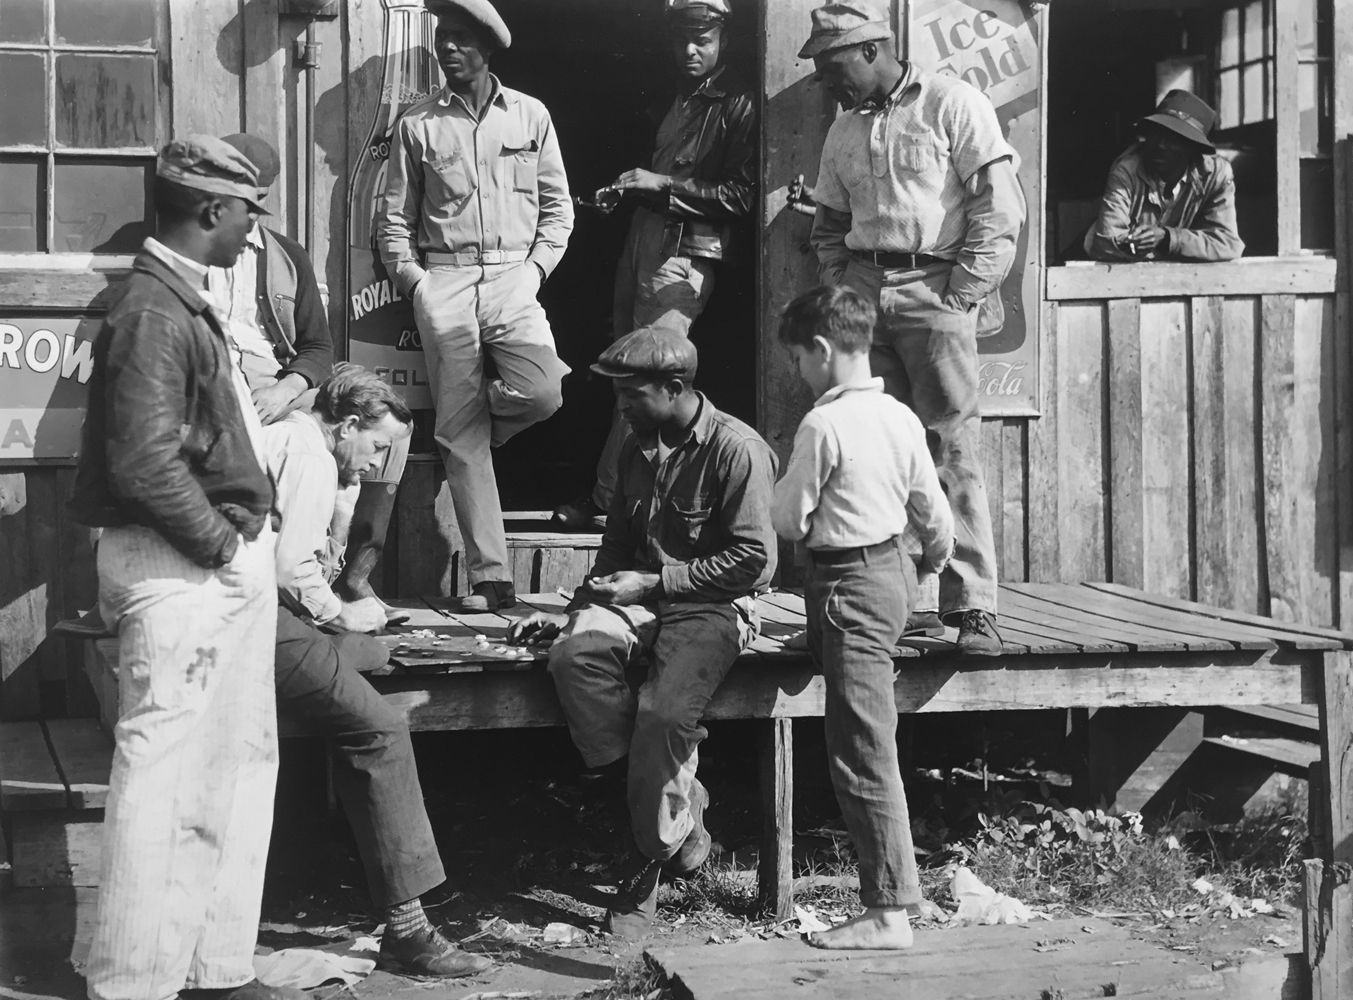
(1267, 62)
(49, 152)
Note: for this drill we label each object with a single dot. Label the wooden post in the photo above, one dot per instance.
(1313, 928)
(776, 864)
(1329, 910)
(1287, 115)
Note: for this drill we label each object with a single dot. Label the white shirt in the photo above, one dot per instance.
(235, 290)
(861, 473)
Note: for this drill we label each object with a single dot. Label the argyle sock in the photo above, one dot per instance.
(406, 919)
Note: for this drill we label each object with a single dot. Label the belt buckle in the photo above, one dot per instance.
(490, 256)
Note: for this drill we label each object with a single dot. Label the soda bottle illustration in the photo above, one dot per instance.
(382, 335)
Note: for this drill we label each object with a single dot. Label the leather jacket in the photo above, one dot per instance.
(713, 165)
(164, 444)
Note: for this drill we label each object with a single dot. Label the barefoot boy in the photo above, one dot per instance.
(860, 478)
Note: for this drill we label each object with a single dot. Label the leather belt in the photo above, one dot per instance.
(835, 557)
(908, 261)
(475, 258)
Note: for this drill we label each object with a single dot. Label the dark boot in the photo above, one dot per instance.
(696, 847)
(636, 899)
(489, 596)
(978, 635)
(428, 954)
(925, 623)
(366, 540)
(580, 515)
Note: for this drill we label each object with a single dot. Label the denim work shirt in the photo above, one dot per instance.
(701, 518)
(1198, 216)
(457, 183)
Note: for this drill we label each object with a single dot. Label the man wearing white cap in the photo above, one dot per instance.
(476, 214)
(919, 209)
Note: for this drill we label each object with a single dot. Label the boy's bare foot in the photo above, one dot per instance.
(876, 927)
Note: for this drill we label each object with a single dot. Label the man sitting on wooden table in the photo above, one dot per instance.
(688, 545)
(321, 652)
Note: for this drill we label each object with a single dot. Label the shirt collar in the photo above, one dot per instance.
(189, 270)
(909, 77)
(710, 86)
(498, 94)
(1193, 176)
(698, 432)
(255, 237)
(837, 391)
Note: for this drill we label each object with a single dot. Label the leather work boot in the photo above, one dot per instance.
(978, 635)
(366, 541)
(427, 954)
(695, 848)
(578, 515)
(252, 990)
(490, 596)
(636, 899)
(924, 623)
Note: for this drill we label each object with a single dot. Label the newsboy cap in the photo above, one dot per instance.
(480, 11)
(1186, 115)
(851, 22)
(650, 350)
(261, 154)
(696, 13)
(206, 163)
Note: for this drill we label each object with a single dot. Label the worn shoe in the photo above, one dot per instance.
(578, 515)
(924, 623)
(490, 596)
(252, 990)
(977, 634)
(426, 953)
(695, 848)
(636, 900)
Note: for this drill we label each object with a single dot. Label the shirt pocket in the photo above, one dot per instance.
(446, 178)
(690, 519)
(522, 157)
(915, 154)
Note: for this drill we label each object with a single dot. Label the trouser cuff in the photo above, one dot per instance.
(410, 885)
(909, 897)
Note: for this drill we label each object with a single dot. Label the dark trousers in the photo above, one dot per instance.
(374, 770)
(857, 602)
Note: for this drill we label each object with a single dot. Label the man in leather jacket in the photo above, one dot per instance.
(700, 180)
(171, 467)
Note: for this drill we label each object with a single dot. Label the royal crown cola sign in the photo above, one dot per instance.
(381, 332)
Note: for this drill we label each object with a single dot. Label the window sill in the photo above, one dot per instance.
(1312, 274)
(59, 282)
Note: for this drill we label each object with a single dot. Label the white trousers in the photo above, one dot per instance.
(189, 811)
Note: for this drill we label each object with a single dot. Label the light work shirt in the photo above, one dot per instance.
(457, 183)
(235, 290)
(928, 172)
(305, 477)
(861, 473)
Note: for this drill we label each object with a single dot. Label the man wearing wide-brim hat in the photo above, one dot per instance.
(688, 545)
(171, 467)
(1169, 196)
(474, 217)
(920, 209)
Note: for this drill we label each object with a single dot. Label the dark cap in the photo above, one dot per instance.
(1186, 115)
(206, 163)
(652, 351)
(479, 11)
(261, 154)
(696, 13)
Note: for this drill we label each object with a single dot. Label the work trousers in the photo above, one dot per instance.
(857, 604)
(319, 679)
(690, 648)
(462, 314)
(189, 812)
(926, 354)
(651, 289)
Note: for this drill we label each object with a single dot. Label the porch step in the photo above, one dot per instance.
(53, 787)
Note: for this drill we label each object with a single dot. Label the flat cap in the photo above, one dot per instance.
(206, 163)
(261, 154)
(851, 22)
(697, 13)
(649, 350)
(480, 11)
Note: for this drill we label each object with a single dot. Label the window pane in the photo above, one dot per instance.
(102, 207)
(1254, 93)
(20, 214)
(1254, 30)
(104, 22)
(1230, 37)
(23, 111)
(105, 101)
(1306, 29)
(1228, 97)
(22, 21)
(1308, 104)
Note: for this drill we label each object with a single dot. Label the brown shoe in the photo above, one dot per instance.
(636, 900)
(490, 596)
(427, 954)
(252, 990)
(977, 634)
(695, 848)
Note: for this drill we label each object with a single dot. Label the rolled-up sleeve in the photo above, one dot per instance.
(400, 207)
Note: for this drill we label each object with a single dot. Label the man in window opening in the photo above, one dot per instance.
(1169, 195)
(321, 654)
(919, 209)
(171, 467)
(688, 545)
(700, 179)
(475, 215)
(276, 312)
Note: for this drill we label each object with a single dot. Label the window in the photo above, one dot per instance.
(83, 115)
(1244, 74)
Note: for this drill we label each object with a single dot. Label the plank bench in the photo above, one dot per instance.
(1082, 647)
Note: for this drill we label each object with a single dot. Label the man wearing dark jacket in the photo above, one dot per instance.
(700, 180)
(171, 467)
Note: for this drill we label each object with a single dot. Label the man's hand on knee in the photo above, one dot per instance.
(625, 587)
(537, 628)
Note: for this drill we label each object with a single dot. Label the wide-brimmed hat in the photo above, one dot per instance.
(1186, 115)
(852, 22)
(477, 10)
